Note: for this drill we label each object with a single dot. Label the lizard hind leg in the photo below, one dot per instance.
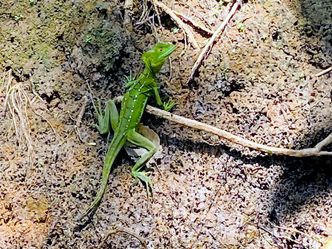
(114, 114)
(107, 119)
(136, 138)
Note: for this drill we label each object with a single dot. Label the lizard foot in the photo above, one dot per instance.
(168, 105)
(143, 177)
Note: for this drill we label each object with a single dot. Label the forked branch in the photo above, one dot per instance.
(205, 51)
(315, 151)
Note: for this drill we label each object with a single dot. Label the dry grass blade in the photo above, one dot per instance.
(156, 10)
(179, 22)
(16, 104)
(148, 19)
(145, 13)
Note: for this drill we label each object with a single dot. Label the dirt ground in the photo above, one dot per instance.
(258, 82)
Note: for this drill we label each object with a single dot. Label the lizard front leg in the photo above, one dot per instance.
(166, 105)
(136, 138)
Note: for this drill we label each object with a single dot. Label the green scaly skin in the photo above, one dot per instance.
(124, 125)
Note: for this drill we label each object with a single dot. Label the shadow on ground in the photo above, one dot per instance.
(306, 181)
(319, 17)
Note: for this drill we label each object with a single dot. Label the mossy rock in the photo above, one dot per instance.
(99, 48)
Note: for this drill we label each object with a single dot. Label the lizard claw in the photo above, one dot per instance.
(168, 105)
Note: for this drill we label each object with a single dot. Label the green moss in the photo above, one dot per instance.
(33, 30)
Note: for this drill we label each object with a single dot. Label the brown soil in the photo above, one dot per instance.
(258, 82)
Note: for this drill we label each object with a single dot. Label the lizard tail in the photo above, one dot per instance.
(112, 152)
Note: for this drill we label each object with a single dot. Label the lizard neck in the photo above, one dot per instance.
(147, 73)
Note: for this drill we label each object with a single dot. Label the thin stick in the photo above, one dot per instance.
(185, 47)
(79, 120)
(180, 23)
(7, 93)
(48, 122)
(316, 151)
(324, 142)
(236, 139)
(195, 24)
(278, 236)
(324, 72)
(116, 229)
(144, 12)
(128, 7)
(216, 34)
(40, 115)
(156, 9)
(216, 195)
(294, 230)
(82, 111)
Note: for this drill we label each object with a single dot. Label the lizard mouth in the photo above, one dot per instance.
(168, 52)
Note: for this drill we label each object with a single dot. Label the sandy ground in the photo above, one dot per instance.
(258, 82)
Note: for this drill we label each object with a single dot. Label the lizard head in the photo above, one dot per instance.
(156, 56)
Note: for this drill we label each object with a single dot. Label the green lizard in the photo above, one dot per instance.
(124, 125)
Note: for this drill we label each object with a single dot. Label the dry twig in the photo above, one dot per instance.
(316, 151)
(181, 24)
(116, 229)
(128, 7)
(195, 24)
(216, 34)
(85, 101)
(324, 72)
(295, 231)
